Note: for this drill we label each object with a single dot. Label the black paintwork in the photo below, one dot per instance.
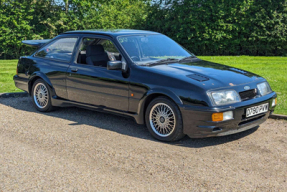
(110, 90)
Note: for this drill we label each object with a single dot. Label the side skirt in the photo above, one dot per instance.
(58, 102)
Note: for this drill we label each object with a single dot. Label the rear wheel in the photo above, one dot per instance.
(163, 120)
(41, 96)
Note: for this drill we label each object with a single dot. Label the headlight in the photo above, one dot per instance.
(225, 97)
(264, 88)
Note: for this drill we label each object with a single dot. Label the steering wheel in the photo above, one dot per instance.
(135, 58)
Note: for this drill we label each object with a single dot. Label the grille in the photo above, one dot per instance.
(250, 94)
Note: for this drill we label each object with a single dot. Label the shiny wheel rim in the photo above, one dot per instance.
(41, 95)
(162, 119)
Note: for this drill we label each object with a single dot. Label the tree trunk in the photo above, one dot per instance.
(67, 5)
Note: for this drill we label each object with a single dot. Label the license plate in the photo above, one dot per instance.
(257, 110)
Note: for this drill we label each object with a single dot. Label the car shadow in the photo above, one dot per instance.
(120, 124)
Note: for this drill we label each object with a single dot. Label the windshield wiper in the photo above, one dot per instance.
(187, 58)
(163, 61)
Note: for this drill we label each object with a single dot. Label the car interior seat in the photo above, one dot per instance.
(82, 57)
(96, 55)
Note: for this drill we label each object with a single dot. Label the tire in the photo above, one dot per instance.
(41, 96)
(163, 120)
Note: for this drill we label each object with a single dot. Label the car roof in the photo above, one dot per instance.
(111, 32)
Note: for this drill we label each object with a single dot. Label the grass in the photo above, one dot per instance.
(7, 71)
(272, 68)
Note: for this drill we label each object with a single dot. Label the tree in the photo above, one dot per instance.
(224, 27)
(42, 19)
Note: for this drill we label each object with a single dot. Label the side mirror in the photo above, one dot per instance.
(114, 65)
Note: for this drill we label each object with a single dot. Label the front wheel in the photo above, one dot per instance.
(163, 120)
(41, 96)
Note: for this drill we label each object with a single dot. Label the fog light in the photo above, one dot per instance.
(274, 102)
(227, 115)
(222, 116)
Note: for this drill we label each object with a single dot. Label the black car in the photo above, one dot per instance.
(147, 76)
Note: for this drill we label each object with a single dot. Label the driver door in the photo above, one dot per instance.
(95, 85)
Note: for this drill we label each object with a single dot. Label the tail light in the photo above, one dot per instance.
(17, 71)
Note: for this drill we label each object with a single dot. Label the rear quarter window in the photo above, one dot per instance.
(61, 49)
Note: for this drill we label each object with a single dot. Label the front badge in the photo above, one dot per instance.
(246, 87)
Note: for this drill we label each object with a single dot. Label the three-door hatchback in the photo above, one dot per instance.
(147, 76)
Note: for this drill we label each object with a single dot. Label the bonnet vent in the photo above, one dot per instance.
(238, 70)
(197, 77)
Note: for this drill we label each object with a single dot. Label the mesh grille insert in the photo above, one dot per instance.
(250, 94)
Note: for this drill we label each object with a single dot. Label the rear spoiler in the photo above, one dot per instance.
(36, 43)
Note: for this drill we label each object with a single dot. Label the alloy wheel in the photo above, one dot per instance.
(41, 95)
(162, 119)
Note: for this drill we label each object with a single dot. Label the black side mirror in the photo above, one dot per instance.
(114, 65)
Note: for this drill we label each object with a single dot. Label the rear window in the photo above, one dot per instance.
(61, 49)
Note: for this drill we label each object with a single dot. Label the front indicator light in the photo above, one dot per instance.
(274, 102)
(222, 116)
(217, 117)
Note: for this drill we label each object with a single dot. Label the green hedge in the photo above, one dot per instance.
(223, 27)
(205, 27)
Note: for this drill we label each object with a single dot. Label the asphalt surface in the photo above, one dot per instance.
(74, 149)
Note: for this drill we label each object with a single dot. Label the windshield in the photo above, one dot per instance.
(145, 49)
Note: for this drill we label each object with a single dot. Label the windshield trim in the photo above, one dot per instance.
(117, 38)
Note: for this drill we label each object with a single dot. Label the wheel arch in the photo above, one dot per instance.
(38, 75)
(151, 95)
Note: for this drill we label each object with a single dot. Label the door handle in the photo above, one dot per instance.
(74, 70)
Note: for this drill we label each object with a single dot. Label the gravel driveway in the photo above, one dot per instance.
(74, 149)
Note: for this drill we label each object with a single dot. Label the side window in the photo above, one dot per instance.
(109, 46)
(97, 52)
(61, 49)
(87, 43)
(111, 50)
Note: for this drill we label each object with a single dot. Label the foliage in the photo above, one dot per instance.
(43, 19)
(205, 27)
(223, 27)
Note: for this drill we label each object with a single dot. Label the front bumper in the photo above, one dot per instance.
(197, 121)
